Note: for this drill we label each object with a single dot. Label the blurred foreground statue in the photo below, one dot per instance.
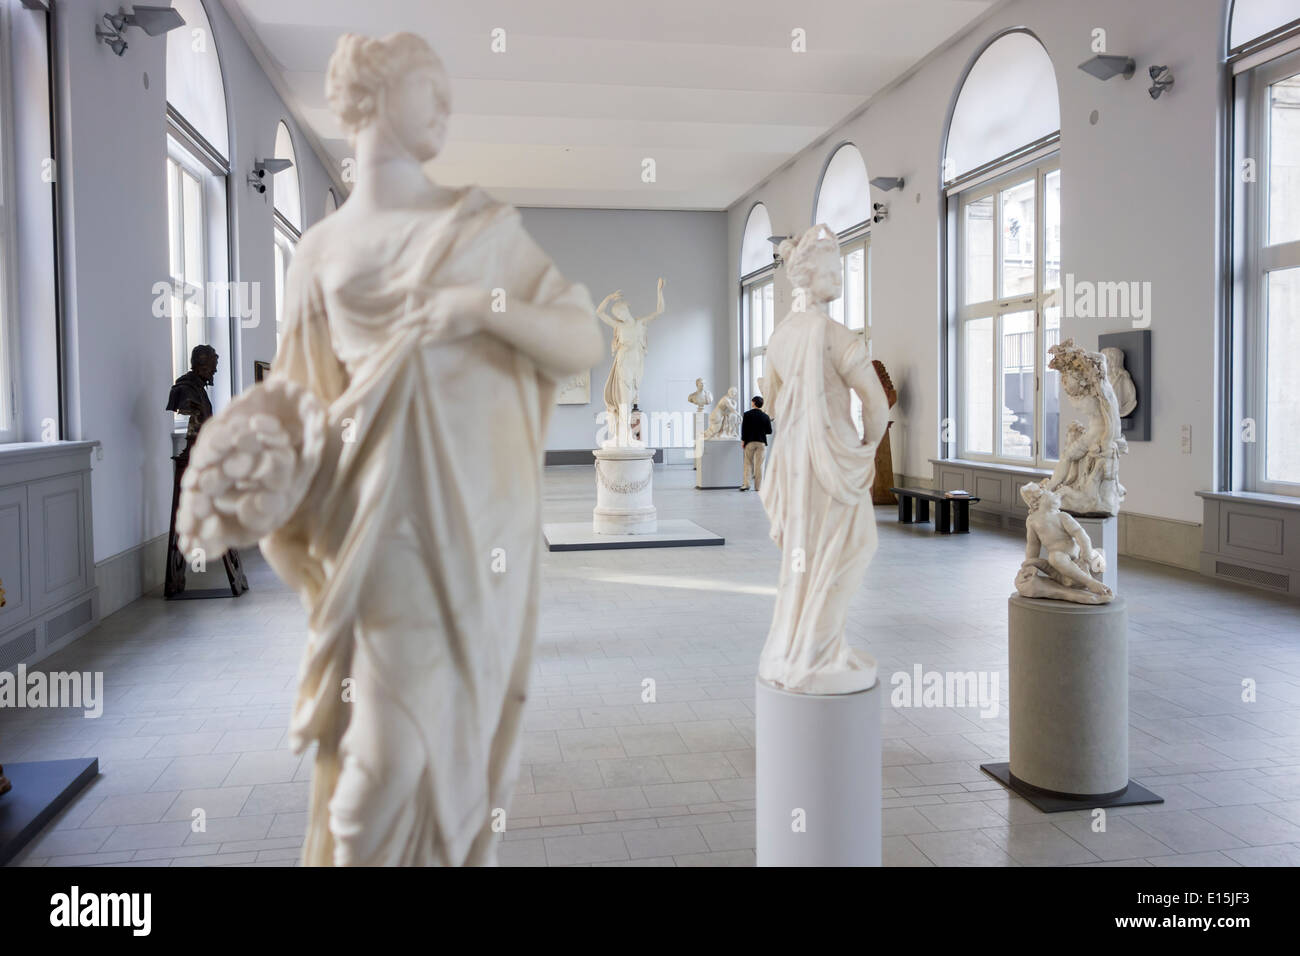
(391, 466)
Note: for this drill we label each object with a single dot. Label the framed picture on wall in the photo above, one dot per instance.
(260, 370)
(575, 390)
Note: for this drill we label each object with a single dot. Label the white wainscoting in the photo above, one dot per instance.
(46, 549)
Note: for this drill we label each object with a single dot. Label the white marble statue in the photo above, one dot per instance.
(724, 420)
(391, 466)
(817, 489)
(1121, 381)
(1072, 568)
(629, 348)
(1087, 475)
(701, 398)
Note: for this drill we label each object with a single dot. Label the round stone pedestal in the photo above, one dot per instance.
(624, 491)
(1069, 696)
(817, 792)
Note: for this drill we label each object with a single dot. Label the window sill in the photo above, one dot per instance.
(1254, 498)
(35, 450)
(1029, 471)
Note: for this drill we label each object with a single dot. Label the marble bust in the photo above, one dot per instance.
(817, 489)
(1121, 381)
(701, 398)
(629, 347)
(361, 464)
(1072, 567)
(1087, 475)
(724, 420)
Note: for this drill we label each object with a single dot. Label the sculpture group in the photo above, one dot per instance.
(1084, 483)
(362, 466)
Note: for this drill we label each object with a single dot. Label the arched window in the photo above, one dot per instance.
(757, 297)
(198, 168)
(1263, 39)
(844, 204)
(1002, 175)
(1257, 23)
(287, 219)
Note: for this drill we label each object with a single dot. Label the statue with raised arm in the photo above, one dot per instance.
(629, 350)
(817, 488)
(391, 466)
(1072, 568)
(1087, 475)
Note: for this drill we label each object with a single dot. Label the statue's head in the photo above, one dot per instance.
(732, 393)
(813, 263)
(1036, 497)
(620, 309)
(395, 83)
(1082, 372)
(203, 361)
(699, 383)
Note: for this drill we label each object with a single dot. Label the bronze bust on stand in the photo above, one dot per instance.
(189, 397)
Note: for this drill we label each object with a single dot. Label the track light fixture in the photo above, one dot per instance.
(1105, 65)
(1161, 80)
(264, 168)
(154, 21)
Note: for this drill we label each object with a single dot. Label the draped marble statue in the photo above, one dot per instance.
(391, 466)
(629, 347)
(1087, 475)
(817, 490)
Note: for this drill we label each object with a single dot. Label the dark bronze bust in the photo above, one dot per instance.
(189, 397)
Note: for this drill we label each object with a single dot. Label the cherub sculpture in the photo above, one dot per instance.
(1072, 568)
(1087, 474)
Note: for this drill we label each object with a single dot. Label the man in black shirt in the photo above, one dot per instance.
(754, 429)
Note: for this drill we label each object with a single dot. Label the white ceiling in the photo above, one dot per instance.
(589, 88)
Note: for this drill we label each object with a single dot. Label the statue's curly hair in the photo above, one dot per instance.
(800, 255)
(362, 67)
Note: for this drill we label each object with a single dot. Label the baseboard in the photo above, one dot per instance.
(133, 572)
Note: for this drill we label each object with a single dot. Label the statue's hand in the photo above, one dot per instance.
(457, 311)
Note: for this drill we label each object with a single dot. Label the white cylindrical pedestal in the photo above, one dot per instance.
(1104, 534)
(817, 799)
(1069, 695)
(624, 491)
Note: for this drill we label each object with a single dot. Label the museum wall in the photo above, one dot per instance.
(608, 249)
(1127, 214)
(118, 355)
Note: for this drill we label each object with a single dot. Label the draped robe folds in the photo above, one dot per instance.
(817, 493)
(629, 348)
(416, 549)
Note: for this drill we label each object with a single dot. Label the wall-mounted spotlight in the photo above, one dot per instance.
(154, 21)
(880, 212)
(1161, 80)
(264, 168)
(1104, 65)
(776, 245)
(886, 183)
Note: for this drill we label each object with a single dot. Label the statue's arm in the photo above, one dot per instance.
(659, 308)
(560, 336)
(1075, 531)
(1032, 545)
(859, 374)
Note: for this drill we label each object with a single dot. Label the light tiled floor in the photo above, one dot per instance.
(198, 697)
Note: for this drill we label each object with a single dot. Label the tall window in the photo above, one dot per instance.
(1009, 315)
(287, 218)
(198, 167)
(8, 324)
(1266, 309)
(757, 300)
(186, 234)
(1003, 180)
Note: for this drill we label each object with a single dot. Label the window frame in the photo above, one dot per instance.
(284, 238)
(764, 278)
(1257, 259)
(186, 165)
(1000, 306)
(10, 368)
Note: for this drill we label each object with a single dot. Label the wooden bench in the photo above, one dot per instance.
(953, 515)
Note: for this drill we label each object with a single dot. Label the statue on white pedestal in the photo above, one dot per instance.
(701, 398)
(724, 420)
(391, 465)
(817, 489)
(1072, 569)
(1087, 475)
(629, 348)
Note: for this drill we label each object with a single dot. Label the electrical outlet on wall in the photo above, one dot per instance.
(1186, 439)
